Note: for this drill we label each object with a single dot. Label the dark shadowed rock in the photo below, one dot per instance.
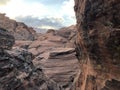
(98, 44)
(6, 40)
(17, 72)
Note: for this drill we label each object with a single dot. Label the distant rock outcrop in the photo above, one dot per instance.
(98, 44)
(19, 30)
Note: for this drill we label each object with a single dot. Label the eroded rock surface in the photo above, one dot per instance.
(98, 44)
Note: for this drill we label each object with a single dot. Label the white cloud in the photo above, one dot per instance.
(43, 23)
(20, 8)
(35, 9)
(3, 2)
(67, 8)
(68, 12)
(46, 27)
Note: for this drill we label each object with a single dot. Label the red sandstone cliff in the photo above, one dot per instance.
(98, 44)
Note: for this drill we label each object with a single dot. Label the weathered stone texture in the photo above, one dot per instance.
(98, 44)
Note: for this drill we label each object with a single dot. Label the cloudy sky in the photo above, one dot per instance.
(40, 13)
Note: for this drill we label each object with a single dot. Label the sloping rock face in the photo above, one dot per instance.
(17, 71)
(98, 44)
(19, 30)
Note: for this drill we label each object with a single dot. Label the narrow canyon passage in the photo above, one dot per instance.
(85, 56)
(57, 57)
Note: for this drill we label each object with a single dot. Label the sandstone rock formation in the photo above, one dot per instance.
(19, 30)
(54, 52)
(17, 71)
(98, 44)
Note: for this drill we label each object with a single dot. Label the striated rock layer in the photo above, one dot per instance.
(60, 65)
(19, 30)
(98, 44)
